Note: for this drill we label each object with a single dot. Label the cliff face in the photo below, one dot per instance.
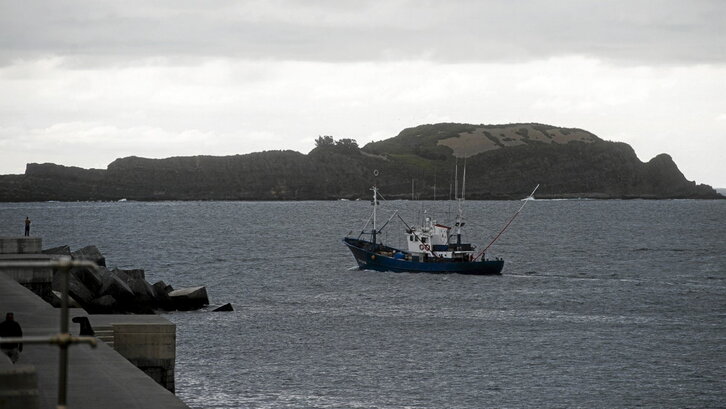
(502, 161)
(263, 176)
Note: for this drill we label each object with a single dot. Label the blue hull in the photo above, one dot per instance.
(369, 260)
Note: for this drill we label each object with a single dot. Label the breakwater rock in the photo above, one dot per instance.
(121, 291)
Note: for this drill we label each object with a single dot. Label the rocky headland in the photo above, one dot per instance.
(503, 162)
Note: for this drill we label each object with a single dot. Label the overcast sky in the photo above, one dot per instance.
(85, 82)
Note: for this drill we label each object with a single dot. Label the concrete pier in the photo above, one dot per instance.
(98, 378)
(20, 245)
(104, 377)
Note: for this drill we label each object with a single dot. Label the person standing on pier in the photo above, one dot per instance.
(27, 226)
(10, 328)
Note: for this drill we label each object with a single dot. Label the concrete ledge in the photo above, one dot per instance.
(151, 328)
(37, 279)
(20, 249)
(28, 275)
(20, 245)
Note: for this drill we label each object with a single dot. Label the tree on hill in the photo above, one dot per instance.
(345, 145)
(323, 141)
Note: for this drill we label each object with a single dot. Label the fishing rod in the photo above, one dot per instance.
(363, 230)
(389, 220)
(527, 199)
(409, 228)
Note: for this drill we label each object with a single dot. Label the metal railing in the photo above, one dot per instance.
(63, 339)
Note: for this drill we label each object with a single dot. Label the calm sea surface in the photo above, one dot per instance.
(601, 303)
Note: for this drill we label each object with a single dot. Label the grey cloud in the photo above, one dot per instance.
(667, 31)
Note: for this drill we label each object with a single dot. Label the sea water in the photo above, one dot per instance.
(600, 304)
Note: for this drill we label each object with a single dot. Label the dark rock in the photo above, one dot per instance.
(225, 307)
(60, 250)
(103, 305)
(90, 253)
(76, 289)
(56, 300)
(86, 328)
(145, 299)
(162, 291)
(113, 285)
(187, 299)
(121, 274)
(91, 279)
(136, 273)
(162, 287)
(132, 292)
(128, 275)
(79, 292)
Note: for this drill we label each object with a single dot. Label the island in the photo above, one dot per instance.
(502, 162)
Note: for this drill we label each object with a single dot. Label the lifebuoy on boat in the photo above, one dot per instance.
(424, 247)
(421, 246)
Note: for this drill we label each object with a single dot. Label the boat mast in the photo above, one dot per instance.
(375, 205)
(459, 201)
(456, 179)
(434, 183)
(463, 182)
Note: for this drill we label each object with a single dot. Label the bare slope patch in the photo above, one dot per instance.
(485, 139)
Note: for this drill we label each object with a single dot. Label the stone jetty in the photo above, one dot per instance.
(102, 377)
(133, 365)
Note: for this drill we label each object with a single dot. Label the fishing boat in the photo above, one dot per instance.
(431, 248)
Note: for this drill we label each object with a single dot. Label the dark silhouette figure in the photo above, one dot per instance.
(86, 328)
(27, 226)
(10, 328)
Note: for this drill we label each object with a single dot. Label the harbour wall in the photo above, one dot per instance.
(133, 365)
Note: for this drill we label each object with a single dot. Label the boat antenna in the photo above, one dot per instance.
(481, 253)
(434, 183)
(459, 201)
(456, 179)
(375, 205)
(463, 182)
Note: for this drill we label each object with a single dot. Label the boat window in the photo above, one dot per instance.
(423, 239)
(410, 238)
